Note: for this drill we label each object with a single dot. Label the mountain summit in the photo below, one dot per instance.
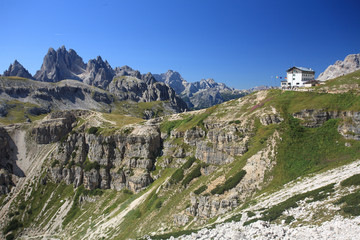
(59, 65)
(350, 64)
(16, 69)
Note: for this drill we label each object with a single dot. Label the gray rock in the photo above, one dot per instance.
(202, 94)
(16, 69)
(59, 65)
(350, 64)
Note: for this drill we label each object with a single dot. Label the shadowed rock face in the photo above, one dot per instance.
(16, 69)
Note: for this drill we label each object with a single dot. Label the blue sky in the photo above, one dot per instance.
(241, 43)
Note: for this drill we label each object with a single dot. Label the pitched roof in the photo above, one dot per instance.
(301, 69)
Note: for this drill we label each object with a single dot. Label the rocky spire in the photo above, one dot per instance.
(16, 69)
(59, 65)
(99, 73)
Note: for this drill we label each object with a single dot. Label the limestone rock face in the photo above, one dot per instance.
(99, 73)
(16, 69)
(146, 89)
(55, 128)
(350, 64)
(115, 161)
(59, 65)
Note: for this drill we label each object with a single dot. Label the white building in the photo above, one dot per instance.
(297, 77)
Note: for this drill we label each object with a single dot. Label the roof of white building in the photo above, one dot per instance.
(304, 69)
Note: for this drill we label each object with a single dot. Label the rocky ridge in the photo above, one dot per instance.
(125, 83)
(350, 64)
(202, 94)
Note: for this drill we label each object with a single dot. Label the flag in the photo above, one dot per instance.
(277, 76)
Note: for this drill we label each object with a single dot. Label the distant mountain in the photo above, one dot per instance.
(123, 83)
(350, 64)
(201, 94)
(16, 69)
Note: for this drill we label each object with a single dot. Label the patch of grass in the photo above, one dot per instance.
(316, 195)
(289, 219)
(308, 150)
(192, 175)
(88, 166)
(251, 221)
(93, 130)
(235, 218)
(250, 214)
(351, 181)
(189, 162)
(351, 203)
(229, 183)
(177, 176)
(13, 225)
(200, 189)
(75, 206)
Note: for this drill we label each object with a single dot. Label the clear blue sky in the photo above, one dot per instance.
(241, 43)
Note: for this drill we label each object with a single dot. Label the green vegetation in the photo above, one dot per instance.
(351, 181)
(139, 109)
(200, 189)
(93, 130)
(177, 176)
(18, 112)
(316, 195)
(351, 203)
(193, 174)
(13, 225)
(88, 166)
(289, 219)
(229, 183)
(75, 206)
(189, 162)
(235, 218)
(307, 150)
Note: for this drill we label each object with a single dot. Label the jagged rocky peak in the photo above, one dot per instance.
(16, 69)
(350, 64)
(59, 65)
(173, 79)
(99, 73)
(127, 71)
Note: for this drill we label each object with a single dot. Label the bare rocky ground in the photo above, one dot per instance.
(316, 220)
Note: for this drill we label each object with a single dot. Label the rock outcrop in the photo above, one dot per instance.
(120, 160)
(350, 64)
(17, 70)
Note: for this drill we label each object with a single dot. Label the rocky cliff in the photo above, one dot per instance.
(350, 64)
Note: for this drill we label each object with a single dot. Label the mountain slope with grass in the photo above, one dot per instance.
(257, 161)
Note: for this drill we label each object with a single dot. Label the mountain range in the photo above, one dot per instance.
(202, 94)
(68, 65)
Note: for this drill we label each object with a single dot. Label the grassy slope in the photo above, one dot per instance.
(301, 151)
